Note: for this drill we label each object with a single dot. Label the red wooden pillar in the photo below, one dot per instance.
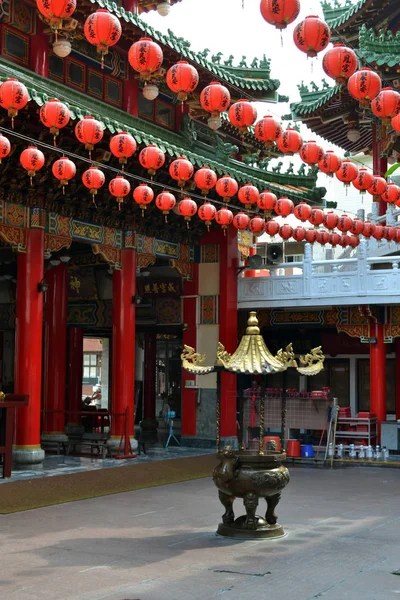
(39, 51)
(190, 318)
(132, 6)
(28, 347)
(228, 315)
(123, 345)
(377, 354)
(149, 385)
(379, 165)
(55, 355)
(397, 382)
(131, 94)
(75, 376)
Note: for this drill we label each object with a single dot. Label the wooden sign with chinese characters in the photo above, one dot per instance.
(160, 287)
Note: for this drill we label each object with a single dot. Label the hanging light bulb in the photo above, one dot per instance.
(150, 91)
(214, 123)
(353, 134)
(164, 8)
(62, 48)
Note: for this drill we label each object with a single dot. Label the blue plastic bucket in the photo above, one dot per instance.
(307, 451)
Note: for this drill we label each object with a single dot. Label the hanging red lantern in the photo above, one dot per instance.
(378, 186)
(396, 123)
(224, 217)
(187, 208)
(286, 232)
(347, 172)
(215, 98)
(344, 223)
(63, 169)
(242, 114)
(207, 213)
(145, 57)
(13, 97)
(329, 163)
(165, 202)
(205, 179)
(181, 170)
(32, 160)
(56, 11)
(5, 147)
(89, 131)
(182, 79)
(364, 86)
(302, 211)
(102, 29)
(317, 217)
(311, 35)
(392, 194)
(123, 146)
(363, 181)
(344, 240)
(331, 220)
(340, 63)
(248, 195)
(389, 233)
(272, 228)
(334, 239)
(151, 158)
(93, 179)
(368, 229)
(280, 13)
(284, 207)
(323, 237)
(226, 187)
(299, 234)
(267, 130)
(311, 153)
(289, 141)
(241, 220)
(257, 226)
(311, 236)
(386, 105)
(119, 187)
(357, 226)
(353, 241)
(267, 202)
(55, 115)
(379, 232)
(397, 235)
(143, 195)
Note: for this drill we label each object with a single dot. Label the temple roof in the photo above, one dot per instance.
(380, 49)
(148, 5)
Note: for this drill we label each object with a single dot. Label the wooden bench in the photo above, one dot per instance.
(94, 442)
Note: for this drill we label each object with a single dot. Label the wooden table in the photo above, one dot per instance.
(7, 424)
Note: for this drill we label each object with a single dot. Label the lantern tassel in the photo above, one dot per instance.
(31, 181)
(63, 189)
(142, 213)
(12, 122)
(187, 225)
(93, 201)
(281, 39)
(166, 219)
(54, 141)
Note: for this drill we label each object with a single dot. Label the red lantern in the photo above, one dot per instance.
(302, 211)
(215, 98)
(311, 236)
(396, 123)
(55, 11)
(123, 146)
(143, 195)
(182, 79)
(344, 240)
(32, 160)
(311, 35)
(286, 232)
(331, 220)
(364, 86)
(241, 220)
(181, 170)
(334, 239)
(102, 29)
(284, 207)
(340, 63)
(299, 233)
(63, 169)
(165, 202)
(55, 115)
(242, 114)
(205, 179)
(323, 237)
(386, 105)
(272, 228)
(397, 236)
(145, 57)
(13, 97)
(93, 179)
(344, 223)
(207, 213)
(392, 194)
(354, 241)
(390, 233)
(347, 172)
(311, 153)
(363, 181)
(257, 225)
(379, 232)
(224, 217)
(378, 187)
(226, 187)
(317, 217)
(267, 202)
(5, 147)
(248, 195)
(89, 131)
(289, 142)
(357, 226)
(267, 130)
(151, 158)
(119, 187)
(368, 229)
(187, 208)
(329, 163)
(280, 13)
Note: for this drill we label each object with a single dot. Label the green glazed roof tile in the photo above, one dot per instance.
(337, 17)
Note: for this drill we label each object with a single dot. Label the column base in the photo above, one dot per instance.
(74, 429)
(113, 444)
(28, 455)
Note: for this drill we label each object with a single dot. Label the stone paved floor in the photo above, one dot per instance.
(343, 529)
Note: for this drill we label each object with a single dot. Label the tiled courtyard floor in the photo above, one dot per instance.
(343, 529)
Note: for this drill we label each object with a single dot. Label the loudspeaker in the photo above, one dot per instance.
(274, 254)
(254, 262)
